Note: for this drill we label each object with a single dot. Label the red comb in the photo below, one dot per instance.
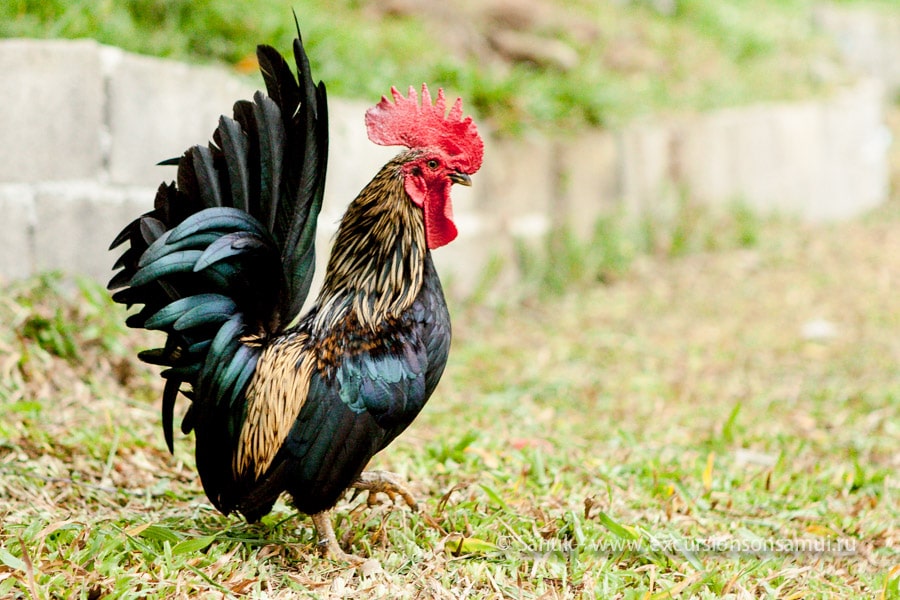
(405, 122)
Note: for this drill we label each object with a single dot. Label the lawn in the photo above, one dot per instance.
(719, 422)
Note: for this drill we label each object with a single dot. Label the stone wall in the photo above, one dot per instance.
(84, 125)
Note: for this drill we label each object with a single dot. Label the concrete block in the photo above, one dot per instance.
(818, 160)
(697, 140)
(75, 223)
(741, 155)
(52, 98)
(762, 165)
(159, 108)
(518, 184)
(17, 243)
(589, 185)
(800, 150)
(646, 167)
(855, 153)
(520, 174)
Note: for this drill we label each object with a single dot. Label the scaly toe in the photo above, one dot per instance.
(376, 482)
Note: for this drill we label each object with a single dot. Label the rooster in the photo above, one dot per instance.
(223, 265)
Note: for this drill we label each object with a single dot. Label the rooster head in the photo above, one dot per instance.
(445, 148)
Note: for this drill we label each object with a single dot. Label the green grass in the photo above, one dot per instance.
(615, 440)
(632, 59)
(563, 261)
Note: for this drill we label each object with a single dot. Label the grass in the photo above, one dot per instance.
(632, 59)
(705, 424)
(564, 260)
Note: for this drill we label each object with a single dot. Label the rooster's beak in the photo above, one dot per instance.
(460, 178)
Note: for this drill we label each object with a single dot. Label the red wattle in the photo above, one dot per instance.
(440, 229)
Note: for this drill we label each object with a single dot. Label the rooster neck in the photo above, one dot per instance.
(377, 264)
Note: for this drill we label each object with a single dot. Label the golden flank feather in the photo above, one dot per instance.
(275, 395)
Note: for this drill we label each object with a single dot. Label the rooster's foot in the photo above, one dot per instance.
(328, 544)
(383, 482)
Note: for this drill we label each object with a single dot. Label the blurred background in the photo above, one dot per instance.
(674, 290)
(593, 111)
(596, 114)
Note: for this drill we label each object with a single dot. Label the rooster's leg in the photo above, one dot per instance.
(328, 544)
(376, 482)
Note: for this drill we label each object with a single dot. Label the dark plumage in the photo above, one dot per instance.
(223, 265)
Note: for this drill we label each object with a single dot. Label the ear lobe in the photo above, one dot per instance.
(415, 188)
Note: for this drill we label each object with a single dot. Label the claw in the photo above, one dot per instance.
(373, 482)
(328, 545)
(383, 482)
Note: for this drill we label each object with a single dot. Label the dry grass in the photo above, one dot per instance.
(682, 403)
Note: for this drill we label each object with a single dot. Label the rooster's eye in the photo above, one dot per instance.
(432, 164)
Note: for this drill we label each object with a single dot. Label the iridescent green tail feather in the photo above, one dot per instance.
(226, 257)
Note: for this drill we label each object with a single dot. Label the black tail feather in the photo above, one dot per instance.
(228, 250)
(232, 140)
